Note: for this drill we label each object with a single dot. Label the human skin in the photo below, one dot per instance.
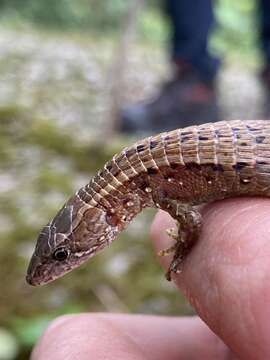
(226, 279)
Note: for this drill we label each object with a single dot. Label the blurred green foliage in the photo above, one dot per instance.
(66, 14)
(38, 187)
(236, 29)
(235, 18)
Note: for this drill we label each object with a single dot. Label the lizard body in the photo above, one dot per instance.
(174, 171)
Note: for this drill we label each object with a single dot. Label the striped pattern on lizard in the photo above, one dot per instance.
(174, 171)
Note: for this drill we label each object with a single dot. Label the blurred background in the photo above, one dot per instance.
(65, 68)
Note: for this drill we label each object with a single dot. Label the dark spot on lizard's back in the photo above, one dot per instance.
(168, 174)
(251, 128)
(235, 129)
(103, 173)
(261, 162)
(217, 167)
(239, 165)
(153, 144)
(209, 178)
(185, 138)
(193, 165)
(201, 137)
(243, 144)
(109, 166)
(140, 147)
(167, 137)
(186, 135)
(152, 171)
(174, 166)
(115, 171)
(112, 218)
(260, 139)
(142, 184)
(130, 152)
(84, 195)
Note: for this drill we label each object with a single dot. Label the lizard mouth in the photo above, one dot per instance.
(36, 282)
(32, 269)
(32, 281)
(37, 272)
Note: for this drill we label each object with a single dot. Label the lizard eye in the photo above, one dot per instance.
(60, 254)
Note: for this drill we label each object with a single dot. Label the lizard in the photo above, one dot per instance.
(175, 171)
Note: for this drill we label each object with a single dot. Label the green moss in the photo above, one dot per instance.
(49, 179)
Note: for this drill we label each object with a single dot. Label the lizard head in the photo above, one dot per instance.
(77, 232)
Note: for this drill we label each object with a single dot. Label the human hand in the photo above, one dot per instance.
(225, 277)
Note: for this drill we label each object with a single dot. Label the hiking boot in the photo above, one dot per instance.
(183, 101)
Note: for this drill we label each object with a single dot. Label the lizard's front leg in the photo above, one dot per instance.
(187, 232)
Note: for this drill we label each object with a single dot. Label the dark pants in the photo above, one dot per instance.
(191, 23)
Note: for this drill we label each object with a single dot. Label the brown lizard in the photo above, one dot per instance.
(174, 171)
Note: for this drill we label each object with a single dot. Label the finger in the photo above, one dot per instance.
(227, 274)
(129, 337)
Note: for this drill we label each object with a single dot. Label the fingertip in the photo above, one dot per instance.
(161, 222)
(161, 240)
(226, 275)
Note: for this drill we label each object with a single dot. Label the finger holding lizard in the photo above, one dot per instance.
(227, 274)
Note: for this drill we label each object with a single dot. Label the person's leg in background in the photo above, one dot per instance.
(264, 13)
(189, 98)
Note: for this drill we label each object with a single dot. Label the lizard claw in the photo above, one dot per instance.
(173, 268)
(167, 251)
(172, 232)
